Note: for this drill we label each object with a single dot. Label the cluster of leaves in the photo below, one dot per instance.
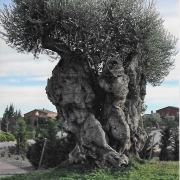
(96, 29)
(4, 136)
(56, 150)
(10, 117)
(147, 171)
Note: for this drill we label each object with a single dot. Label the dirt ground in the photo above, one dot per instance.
(19, 161)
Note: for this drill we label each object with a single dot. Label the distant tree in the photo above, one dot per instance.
(151, 120)
(164, 144)
(169, 143)
(10, 117)
(21, 136)
(174, 143)
(169, 121)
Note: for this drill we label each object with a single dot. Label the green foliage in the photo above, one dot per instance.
(4, 136)
(169, 121)
(164, 143)
(10, 137)
(150, 170)
(175, 143)
(98, 30)
(56, 149)
(151, 120)
(21, 136)
(169, 143)
(31, 134)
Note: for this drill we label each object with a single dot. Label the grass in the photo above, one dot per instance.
(148, 170)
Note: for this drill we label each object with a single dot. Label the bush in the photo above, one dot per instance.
(56, 149)
(4, 136)
(31, 134)
(10, 137)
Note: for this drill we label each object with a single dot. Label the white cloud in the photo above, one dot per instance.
(40, 78)
(162, 94)
(21, 64)
(174, 74)
(23, 97)
(172, 24)
(13, 63)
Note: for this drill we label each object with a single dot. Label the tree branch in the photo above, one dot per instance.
(56, 46)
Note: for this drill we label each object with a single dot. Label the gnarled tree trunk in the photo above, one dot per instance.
(101, 111)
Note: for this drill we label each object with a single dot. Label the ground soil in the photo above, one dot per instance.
(15, 160)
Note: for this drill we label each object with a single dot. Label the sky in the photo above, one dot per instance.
(23, 79)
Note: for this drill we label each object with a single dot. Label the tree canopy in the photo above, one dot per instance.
(95, 29)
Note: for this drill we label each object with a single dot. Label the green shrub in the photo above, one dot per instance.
(56, 149)
(10, 137)
(2, 138)
(31, 134)
(5, 136)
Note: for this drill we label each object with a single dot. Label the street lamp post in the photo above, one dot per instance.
(37, 114)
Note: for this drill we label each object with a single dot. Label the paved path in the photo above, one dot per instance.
(11, 143)
(7, 169)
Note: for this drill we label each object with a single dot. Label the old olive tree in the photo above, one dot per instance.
(108, 50)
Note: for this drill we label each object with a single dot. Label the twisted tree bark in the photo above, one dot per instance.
(101, 111)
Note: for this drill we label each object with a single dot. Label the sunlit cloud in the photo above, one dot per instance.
(22, 97)
(162, 94)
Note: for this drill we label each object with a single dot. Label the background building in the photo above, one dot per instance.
(41, 112)
(169, 110)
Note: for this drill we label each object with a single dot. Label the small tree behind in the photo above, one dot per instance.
(164, 143)
(175, 143)
(21, 136)
(56, 149)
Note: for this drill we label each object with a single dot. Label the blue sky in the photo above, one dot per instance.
(23, 79)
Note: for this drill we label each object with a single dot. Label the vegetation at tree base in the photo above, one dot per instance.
(56, 150)
(21, 136)
(4, 136)
(10, 117)
(150, 170)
